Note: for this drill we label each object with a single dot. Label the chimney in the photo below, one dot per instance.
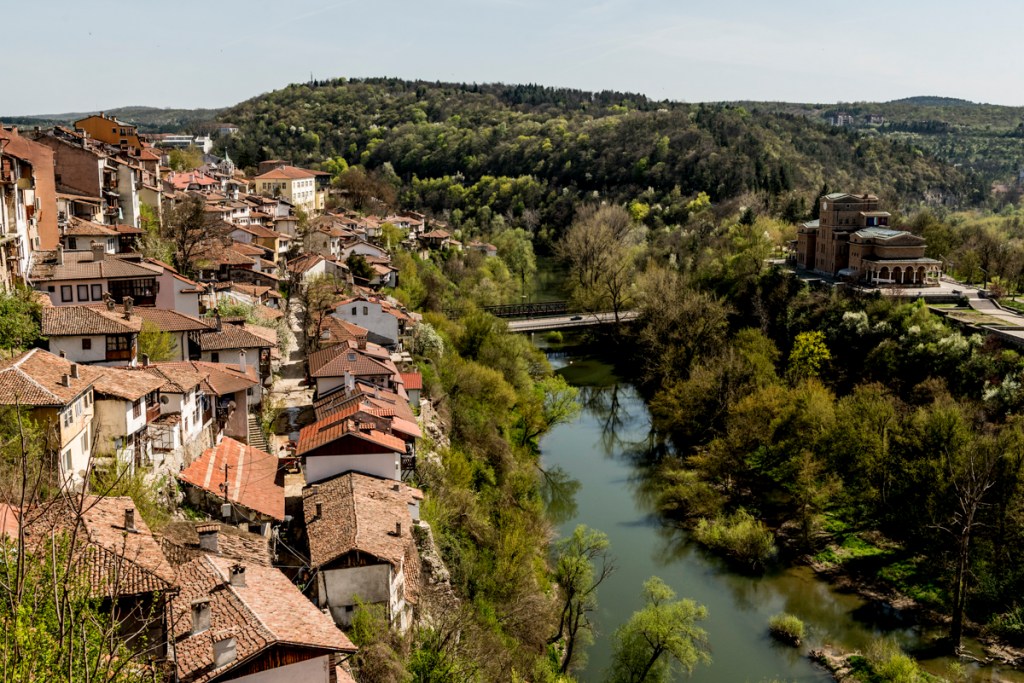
(200, 615)
(396, 487)
(241, 358)
(398, 528)
(350, 382)
(145, 360)
(110, 301)
(361, 343)
(63, 354)
(65, 380)
(223, 649)
(129, 520)
(209, 535)
(99, 251)
(217, 320)
(319, 509)
(60, 255)
(238, 576)
(129, 305)
(74, 371)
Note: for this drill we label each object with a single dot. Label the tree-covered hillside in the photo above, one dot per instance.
(561, 145)
(148, 119)
(986, 139)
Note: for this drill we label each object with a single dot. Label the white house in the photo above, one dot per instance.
(126, 401)
(348, 442)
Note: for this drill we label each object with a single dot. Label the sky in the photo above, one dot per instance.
(99, 54)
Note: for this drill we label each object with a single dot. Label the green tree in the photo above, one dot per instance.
(582, 563)
(660, 638)
(185, 159)
(20, 319)
(515, 248)
(188, 228)
(359, 267)
(809, 354)
(155, 343)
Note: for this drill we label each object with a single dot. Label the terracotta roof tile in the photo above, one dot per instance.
(231, 337)
(60, 321)
(359, 512)
(335, 361)
(286, 173)
(332, 428)
(180, 542)
(412, 380)
(78, 265)
(126, 384)
(266, 611)
(252, 476)
(34, 378)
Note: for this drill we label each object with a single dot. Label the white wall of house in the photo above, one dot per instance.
(73, 351)
(316, 670)
(57, 296)
(75, 429)
(384, 465)
(372, 316)
(338, 588)
(325, 385)
(364, 248)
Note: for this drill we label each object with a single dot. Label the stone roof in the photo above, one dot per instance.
(252, 476)
(79, 265)
(219, 379)
(180, 541)
(268, 610)
(363, 513)
(231, 337)
(62, 321)
(126, 384)
(78, 226)
(336, 360)
(34, 378)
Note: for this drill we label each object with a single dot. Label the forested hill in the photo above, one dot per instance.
(148, 119)
(620, 146)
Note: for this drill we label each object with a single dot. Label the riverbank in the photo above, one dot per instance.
(844, 612)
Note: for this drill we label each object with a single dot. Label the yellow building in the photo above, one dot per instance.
(110, 131)
(297, 185)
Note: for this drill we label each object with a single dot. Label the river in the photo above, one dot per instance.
(594, 451)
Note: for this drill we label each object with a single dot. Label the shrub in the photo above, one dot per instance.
(891, 664)
(1009, 625)
(787, 628)
(554, 337)
(739, 536)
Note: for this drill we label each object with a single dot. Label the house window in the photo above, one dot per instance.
(119, 347)
(137, 408)
(97, 292)
(72, 243)
(78, 408)
(355, 311)
(248, 392)
(67, 460)
(67, 417)
(83, 292)
(85, 441)
(65, 293)
(88, 399)
(50, 288)
(86, 344)
(366, 310)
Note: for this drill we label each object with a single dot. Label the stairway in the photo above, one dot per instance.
(256, 438)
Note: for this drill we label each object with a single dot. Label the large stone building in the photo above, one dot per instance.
(852, 240)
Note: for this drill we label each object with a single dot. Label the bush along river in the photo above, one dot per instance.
(595, 456)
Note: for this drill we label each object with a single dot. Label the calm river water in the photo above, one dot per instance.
(593, 450)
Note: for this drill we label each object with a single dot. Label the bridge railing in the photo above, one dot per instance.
(528, 310)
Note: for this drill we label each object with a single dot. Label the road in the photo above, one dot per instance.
(564, 322)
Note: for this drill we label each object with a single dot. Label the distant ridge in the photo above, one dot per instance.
(935, 101)
(148, 119)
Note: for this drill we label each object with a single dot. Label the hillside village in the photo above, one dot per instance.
(288, 438)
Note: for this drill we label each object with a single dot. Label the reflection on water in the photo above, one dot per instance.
(599, 474)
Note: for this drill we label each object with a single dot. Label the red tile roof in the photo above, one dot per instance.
(34, 378)
(231, 337)
(359, 512)
(251, 480)
(286, 173)
(336, 360)
(332, 429)
(126, 384)
(412, 380)
(267, 611)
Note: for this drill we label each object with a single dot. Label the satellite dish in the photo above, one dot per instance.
(165, 400)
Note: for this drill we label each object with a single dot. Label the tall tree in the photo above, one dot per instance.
(582, 563)
(660, 638)
(601, 248)
(188, 227)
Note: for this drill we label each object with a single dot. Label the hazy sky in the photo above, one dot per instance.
(85, 55)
